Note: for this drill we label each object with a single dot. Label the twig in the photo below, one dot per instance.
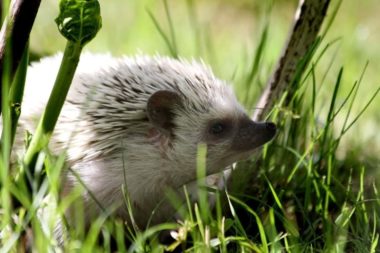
(307, 23)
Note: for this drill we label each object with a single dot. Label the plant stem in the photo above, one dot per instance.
(15, 32)
(56, 100)
(17, 92)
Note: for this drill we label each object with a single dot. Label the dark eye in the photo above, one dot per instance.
(217, 128)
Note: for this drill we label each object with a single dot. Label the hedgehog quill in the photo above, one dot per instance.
(137, 122)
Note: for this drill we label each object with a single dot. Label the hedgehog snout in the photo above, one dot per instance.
(251, 134)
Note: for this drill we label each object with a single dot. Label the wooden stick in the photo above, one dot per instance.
(307, 23)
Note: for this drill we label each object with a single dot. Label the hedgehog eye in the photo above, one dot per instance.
(217, 128)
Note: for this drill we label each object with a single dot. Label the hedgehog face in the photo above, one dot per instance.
(232, 139)
(228, 132)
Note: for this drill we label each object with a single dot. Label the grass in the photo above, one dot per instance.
(314, 189)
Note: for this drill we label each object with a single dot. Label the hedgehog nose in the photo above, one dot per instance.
(270, 126)
(251, 134)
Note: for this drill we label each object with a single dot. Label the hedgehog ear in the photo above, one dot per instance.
(160, 109)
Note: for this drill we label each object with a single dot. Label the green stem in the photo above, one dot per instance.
(57, 98)
(17, 92)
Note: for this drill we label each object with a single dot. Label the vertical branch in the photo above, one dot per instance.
(15, 32)
(295, 57)
(307, 23)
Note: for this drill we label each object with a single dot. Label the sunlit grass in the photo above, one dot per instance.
(311, 191)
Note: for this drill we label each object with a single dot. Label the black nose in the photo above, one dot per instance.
(251, 135)
(270, 126)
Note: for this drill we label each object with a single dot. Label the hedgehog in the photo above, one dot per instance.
(132, 126)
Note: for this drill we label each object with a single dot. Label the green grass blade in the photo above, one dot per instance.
(166, 39)
(258, 222)
(17, 92)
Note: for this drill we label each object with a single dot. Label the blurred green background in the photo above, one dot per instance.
(225, 34)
